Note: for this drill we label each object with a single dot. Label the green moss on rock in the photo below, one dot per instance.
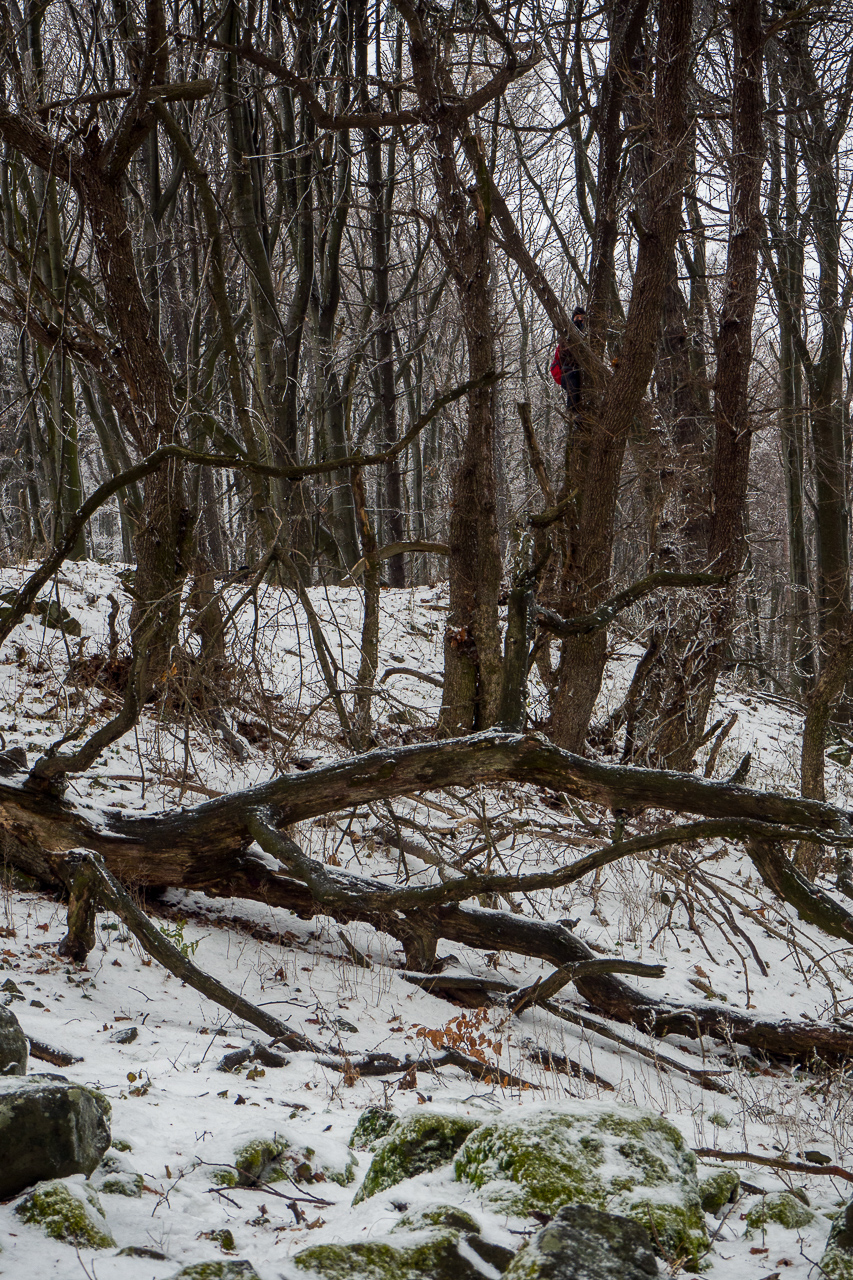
(233, 1269)
(836, 1264)
(717, 1186)
(416, 1144)
(628, 1162)
(224, 1238)
(114, 1176)
(60, 1214)
(783, 1208)
(433, 1257)
(371, 1127)
(260, 1161)
(343, 1177)
(438, 1215)
(124, 1186)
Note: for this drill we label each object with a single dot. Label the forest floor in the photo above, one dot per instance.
(183, 1118)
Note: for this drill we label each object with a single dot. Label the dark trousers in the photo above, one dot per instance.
(571, 384)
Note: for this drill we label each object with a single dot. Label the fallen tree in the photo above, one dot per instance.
(213, 849)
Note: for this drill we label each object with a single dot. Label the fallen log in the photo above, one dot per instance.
(48, 1053)
(200, 847)
(208, 849)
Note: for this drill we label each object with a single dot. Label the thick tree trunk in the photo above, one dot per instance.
(602, 441)
(163, 536)
(686, 699)
(277, 337)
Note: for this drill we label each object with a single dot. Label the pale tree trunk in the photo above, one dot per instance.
(380, 187)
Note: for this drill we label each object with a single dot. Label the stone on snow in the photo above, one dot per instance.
(49, 1128)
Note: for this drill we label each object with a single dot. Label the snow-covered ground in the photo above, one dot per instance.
(182, 1118)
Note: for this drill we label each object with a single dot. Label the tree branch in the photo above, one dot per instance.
(108, 891)
(606, 612)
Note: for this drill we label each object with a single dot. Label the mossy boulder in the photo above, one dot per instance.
(416, 1143)
(717, 1186)
(837, 1261)
(782, 1208)
(224, 1237)
(342, 1176)
(49, 1128)
(626, 1161)
(230, 1269)
(261, 1161)
(582, 1243)
(13, 1045)
(449, 1218)
(438, 1215)
(63, 1214)
(115, 1176)
(429, 1256)
(265, 1160)
(371, 1127)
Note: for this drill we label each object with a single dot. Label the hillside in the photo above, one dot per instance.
(180, 1118)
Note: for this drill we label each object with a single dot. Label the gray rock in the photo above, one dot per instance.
(49, 1128)
(581, 1243)
(126, 1036)
(13, 1045)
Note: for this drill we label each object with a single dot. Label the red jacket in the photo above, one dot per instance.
(557, 367)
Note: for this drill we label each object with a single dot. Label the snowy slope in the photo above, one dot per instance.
(184, 1119)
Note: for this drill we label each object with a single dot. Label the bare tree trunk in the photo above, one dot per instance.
(603, 438)
(472, 655)
(380, 188)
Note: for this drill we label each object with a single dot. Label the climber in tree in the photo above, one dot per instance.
(564, 369)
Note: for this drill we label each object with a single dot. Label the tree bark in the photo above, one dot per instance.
(601, 444)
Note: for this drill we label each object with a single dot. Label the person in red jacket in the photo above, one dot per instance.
(565, 371)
